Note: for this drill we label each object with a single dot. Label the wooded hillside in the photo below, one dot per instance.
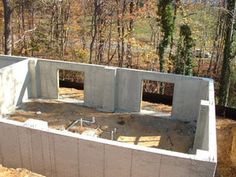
(176, 36)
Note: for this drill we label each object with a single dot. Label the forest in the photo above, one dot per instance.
(189, 37)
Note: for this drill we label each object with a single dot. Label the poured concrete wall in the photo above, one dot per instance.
(118, 89)
(14, 84)
(205, 136)
(55, 153)
(99, 82)
(188, 92)
(9, 60)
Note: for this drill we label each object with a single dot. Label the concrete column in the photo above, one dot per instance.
(109, 89)
(33, 79)
(48, 80)
(129, 90)
(186, 100)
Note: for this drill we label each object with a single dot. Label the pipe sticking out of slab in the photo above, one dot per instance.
(93, 121)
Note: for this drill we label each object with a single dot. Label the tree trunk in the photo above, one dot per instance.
(119, 33)
(123, 33)
(131, 24)
(109, 41)
(226, 67)
(7, 27)
(93, 31)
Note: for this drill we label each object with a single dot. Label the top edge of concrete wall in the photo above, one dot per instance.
(128, 69)
(6, 61)
(20, 58)
(13, 57)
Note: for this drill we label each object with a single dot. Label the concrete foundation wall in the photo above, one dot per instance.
(9, 60)
(118, 89)
(99, 83)
(188, 92)
(14, 84)
(205, 137)
(55, 153)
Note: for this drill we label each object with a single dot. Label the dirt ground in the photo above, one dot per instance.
(135, 129)
(19, 172)
(79, 94)
(226, 144)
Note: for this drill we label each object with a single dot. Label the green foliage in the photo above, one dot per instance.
(183, 59)
(165, 12)
(228, 56)
(232, 98)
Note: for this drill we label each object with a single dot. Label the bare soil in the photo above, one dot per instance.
(136, 129)
(19, 172)
(226, 147)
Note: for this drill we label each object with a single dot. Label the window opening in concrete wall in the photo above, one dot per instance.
(157, 96)
(71, 85)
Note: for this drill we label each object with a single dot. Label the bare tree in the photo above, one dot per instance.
(130, 31)
(7, 27)
(94, 30)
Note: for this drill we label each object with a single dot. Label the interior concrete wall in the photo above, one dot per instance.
(56, 153)
(14, 82)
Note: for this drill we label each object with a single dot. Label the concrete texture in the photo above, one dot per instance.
(56, 153)
(117, 89)
(9, 60)
(14, 84)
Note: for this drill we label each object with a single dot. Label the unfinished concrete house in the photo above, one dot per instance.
(107, 133)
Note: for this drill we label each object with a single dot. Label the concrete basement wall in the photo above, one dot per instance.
(205, 137)
(99, 83)
(188, 92)
(14, 82)
(55, 153)
(118, 89)
(9, 60)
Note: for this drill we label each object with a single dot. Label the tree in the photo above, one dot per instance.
(228, 54)
(165, 12)
(7, 27)
(183, 59)
(130, 31)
